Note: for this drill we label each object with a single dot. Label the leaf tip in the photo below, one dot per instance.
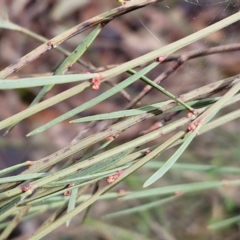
(146, 184)
(34, 132)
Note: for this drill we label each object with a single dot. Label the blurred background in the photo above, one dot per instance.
(123, 39)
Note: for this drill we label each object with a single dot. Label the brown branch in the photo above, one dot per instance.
(179, 61)
(54, 42)
(203, 52)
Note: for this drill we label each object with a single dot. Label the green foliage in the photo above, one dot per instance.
(37, 189)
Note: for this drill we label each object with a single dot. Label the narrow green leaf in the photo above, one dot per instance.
(72, 203)
(181, 188)
(96, 100)
(215, 108)
(46, 80)
(220, 121)
(164, 91)
(194, 167)
(69, 61)
(9, 208)
(171, 160)
(141, 208)
(121, 114)
(13, 168)
(44, 104)
(23, 177)
(145, 109)
(86, 214)
(224, 223)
